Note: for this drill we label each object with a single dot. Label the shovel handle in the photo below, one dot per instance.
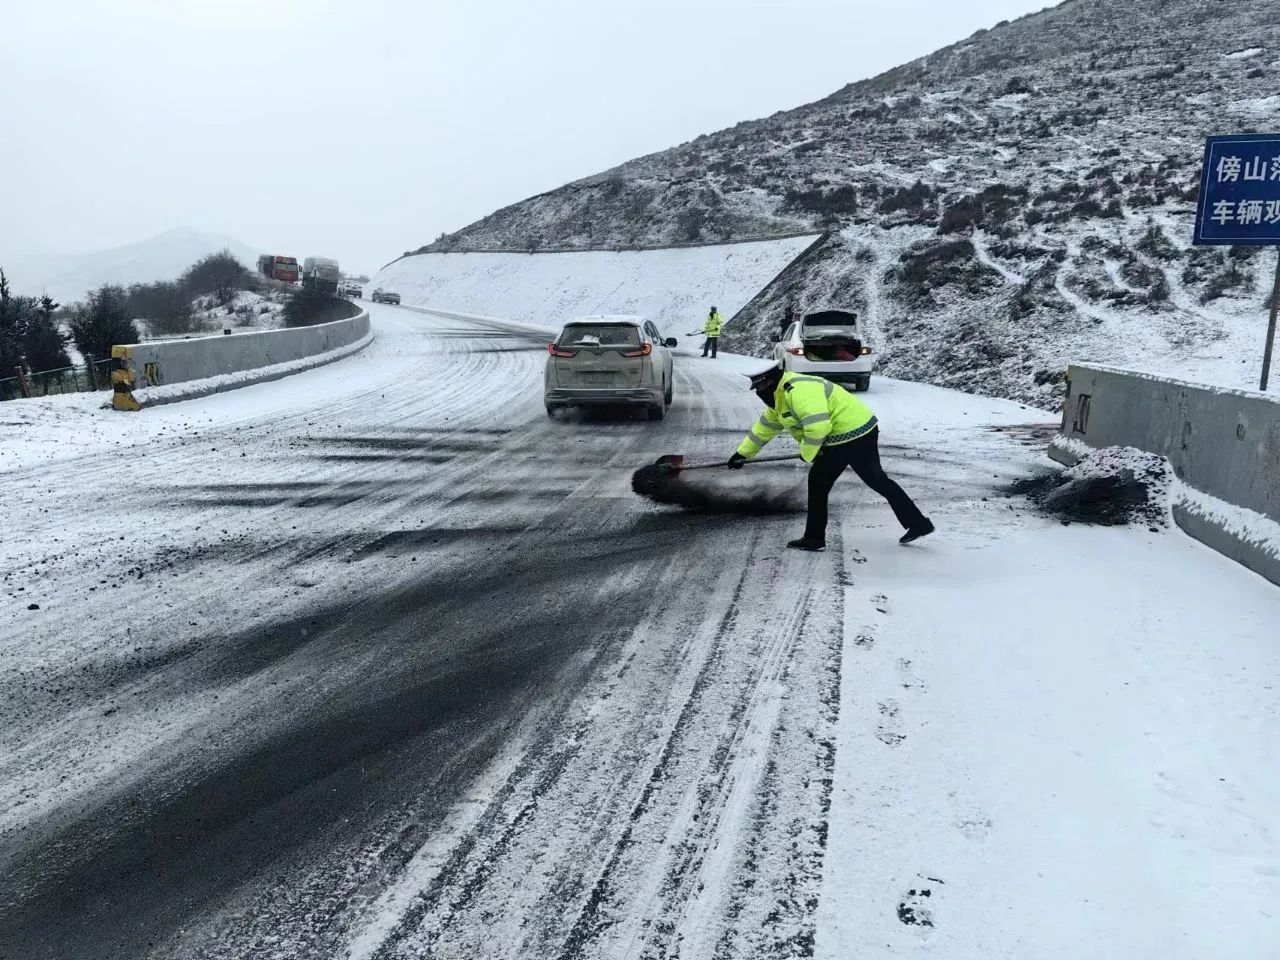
(708, 466)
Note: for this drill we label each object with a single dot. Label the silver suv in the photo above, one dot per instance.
(610, 360)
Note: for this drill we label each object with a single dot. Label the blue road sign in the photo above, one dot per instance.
(1240, 191)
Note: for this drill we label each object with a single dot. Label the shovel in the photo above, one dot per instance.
(673, 463)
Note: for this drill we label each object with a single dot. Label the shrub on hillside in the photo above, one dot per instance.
(166, 306)
(219, 274)
(837, 201)
(306, 308)
(915, 200)
(930, 265)
(993, 206)
(960, 215)
(1155, 244)
(690, 222)
(102, 322)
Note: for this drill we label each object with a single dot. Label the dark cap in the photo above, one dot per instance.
(765, 377)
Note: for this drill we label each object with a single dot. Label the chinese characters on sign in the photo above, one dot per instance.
(1240, 204)
(1240, 191)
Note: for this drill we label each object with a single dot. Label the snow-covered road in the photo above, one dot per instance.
(377, 661)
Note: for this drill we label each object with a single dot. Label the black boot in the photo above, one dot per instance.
(918, 531)
(804, 543)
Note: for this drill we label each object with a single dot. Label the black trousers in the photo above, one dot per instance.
(863, 456)
(710, 344)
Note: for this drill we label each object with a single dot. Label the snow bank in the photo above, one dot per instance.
(674, 286)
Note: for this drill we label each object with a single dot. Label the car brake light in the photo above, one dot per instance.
(557, 352)
(796, 351)
(644, 351)
(865, 351)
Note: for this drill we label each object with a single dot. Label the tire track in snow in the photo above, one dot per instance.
(493, 821)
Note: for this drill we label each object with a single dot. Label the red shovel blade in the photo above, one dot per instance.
(671, 463)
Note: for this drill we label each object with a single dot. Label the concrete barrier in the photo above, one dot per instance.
(1223, 445)
(165, 363)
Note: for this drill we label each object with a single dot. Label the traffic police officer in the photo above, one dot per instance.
(836, 430)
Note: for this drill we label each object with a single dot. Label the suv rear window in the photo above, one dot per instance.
(623, 335)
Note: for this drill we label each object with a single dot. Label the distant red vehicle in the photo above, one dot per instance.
(279, 268)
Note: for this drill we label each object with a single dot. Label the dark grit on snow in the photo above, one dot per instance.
(704, 495)
(1113, 486)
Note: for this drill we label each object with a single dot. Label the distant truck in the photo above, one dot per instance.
(320, 274)
(386, 296)
(275, 267)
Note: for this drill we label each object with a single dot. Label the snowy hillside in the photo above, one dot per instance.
(1009, 202)
(163, 257)
(674, 287)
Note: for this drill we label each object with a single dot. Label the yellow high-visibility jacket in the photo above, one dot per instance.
(817, 412)
(714, 324)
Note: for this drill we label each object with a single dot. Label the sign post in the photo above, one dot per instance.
(1240, 205)
(1271, 328)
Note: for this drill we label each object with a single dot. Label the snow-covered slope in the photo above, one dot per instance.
(999, 206)
(674, 287)
(162, 257)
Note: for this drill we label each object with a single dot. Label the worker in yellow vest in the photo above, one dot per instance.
(836, 431)
(712, 328)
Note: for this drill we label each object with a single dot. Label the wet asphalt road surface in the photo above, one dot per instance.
(411, 672)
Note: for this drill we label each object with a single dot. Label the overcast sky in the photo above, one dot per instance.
(360, 130)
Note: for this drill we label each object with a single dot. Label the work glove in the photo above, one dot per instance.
(736, 461)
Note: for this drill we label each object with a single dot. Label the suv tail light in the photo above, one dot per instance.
(557, 352)
(644, 351)
(796, 351)
(866, 351)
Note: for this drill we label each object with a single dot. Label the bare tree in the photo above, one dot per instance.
(166, 306)
(220, 274)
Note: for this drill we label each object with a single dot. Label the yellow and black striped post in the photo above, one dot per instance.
(122, 380)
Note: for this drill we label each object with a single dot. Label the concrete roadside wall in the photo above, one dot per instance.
(1221, 443)
(170, 362)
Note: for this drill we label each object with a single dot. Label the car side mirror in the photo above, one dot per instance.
(669, 342)
(775, 339)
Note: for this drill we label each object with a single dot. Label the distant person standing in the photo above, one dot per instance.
(787, 319)
(712, 328)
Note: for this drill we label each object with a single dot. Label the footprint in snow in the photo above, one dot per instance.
(976, 826)
(914, 909)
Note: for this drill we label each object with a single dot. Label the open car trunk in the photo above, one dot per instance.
(831, 336)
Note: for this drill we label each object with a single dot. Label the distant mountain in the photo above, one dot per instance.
(994, 209)
(162, 257)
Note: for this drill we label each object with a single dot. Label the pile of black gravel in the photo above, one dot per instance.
(1114, 486)
(703, 494)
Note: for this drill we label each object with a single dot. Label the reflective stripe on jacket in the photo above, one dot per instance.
(816, 412)
(715, 323)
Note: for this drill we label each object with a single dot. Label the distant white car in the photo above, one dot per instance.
(385, 296)
(349, 288)
(827, 344)
(609, 360)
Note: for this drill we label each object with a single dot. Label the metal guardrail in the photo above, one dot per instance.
(83, 378)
